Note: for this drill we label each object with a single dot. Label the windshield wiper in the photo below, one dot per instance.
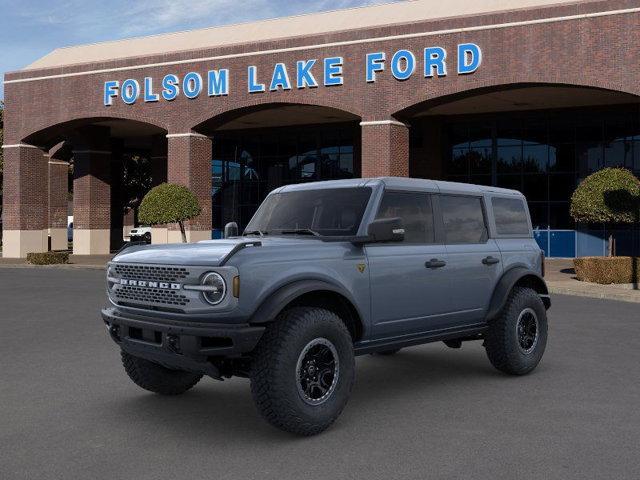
(255, 232)
(300, 231)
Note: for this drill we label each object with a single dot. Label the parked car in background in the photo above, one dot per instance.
(70, 228)
(140, 234)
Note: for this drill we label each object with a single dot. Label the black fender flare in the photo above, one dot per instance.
(506, 283)
(269, 309)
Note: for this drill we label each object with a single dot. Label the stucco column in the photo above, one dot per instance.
(25, 210)
(92, 192)
(189, 164)
(58, 191)
(159, 233)
(385, 149)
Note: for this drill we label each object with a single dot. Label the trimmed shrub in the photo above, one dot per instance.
(48, 258)
(611, 195)
(169, 203)
(607, 270)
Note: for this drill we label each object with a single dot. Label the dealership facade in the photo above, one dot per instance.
(532, 95)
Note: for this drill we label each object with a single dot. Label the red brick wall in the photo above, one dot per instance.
(385, 150)
(189, 164)
(599, 52)
(25, 178)
(58, 191)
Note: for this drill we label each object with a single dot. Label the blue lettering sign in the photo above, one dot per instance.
(304, 77)
(375, 63)
(170, 87)
(333, 71)
(280, 78)
(110, 92)
(469, 58)
(403, 64)
(130, 91)
(254, 87)
(218, 82)
(434, 59)
(149, 96)
(192, 85)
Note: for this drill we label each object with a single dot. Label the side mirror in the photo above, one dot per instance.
(386, 230)
(231, 230)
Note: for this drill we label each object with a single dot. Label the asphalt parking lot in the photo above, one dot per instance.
(67, 409)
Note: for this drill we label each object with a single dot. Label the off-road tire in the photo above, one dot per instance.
(501, 340)
(274, 375)
(156, 378)
(386, 353)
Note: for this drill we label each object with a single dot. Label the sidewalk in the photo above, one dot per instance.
(93, 262)
(560, 277)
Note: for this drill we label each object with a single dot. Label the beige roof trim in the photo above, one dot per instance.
(273, 29)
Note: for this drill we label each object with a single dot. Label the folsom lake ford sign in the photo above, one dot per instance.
(309, 73)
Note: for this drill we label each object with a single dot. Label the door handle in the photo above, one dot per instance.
(435, 263)
(490, 260)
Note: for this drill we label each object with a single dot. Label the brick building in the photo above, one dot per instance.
(527, 94)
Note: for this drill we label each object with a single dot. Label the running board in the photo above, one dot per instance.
(467, 333)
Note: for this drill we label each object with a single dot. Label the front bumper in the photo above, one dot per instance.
(181, 345)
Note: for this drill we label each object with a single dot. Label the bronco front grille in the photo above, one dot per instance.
(152, 273)
(135, 295)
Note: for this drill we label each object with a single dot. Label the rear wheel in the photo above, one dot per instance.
(303, 370)
(516, 340)
(156, 378)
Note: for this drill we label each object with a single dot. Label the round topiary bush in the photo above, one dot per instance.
(611, 195)
(169, 203)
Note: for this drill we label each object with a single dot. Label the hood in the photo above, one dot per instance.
(205, 253)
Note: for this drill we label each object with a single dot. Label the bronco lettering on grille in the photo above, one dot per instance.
(149, 284)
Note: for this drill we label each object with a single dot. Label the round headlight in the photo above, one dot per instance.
(215, 288)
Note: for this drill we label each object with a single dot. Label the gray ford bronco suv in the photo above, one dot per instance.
(324, 272)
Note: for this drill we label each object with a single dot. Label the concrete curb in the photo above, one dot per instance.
(67, 266)
(603, 293)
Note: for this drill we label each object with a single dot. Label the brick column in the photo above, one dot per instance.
(385, 149)
(92, 192)
(25, 211)
(158, 160)
(189, 164)
(159, 233)
(58, 191)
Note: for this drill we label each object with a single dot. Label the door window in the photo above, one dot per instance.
(415, 211)
(463, 219)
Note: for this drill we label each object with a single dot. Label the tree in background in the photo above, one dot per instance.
(609, 196)
(136, 181)
(169, 203)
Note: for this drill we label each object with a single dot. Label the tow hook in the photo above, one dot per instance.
(114, 332)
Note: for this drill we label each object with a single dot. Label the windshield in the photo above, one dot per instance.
(324, 212)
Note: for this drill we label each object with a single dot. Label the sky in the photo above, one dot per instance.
(29, 29)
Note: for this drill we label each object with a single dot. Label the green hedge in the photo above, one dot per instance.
(611, 195)
(48, 258)
(607, 270)
(168, 203)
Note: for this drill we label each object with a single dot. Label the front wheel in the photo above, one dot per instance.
(516, 340)
(303, 370)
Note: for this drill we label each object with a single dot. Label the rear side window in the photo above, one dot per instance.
(511, 216)
(415, 211)
(463, 219)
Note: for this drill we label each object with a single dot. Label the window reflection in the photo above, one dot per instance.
(543, 154)
(249, 164)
